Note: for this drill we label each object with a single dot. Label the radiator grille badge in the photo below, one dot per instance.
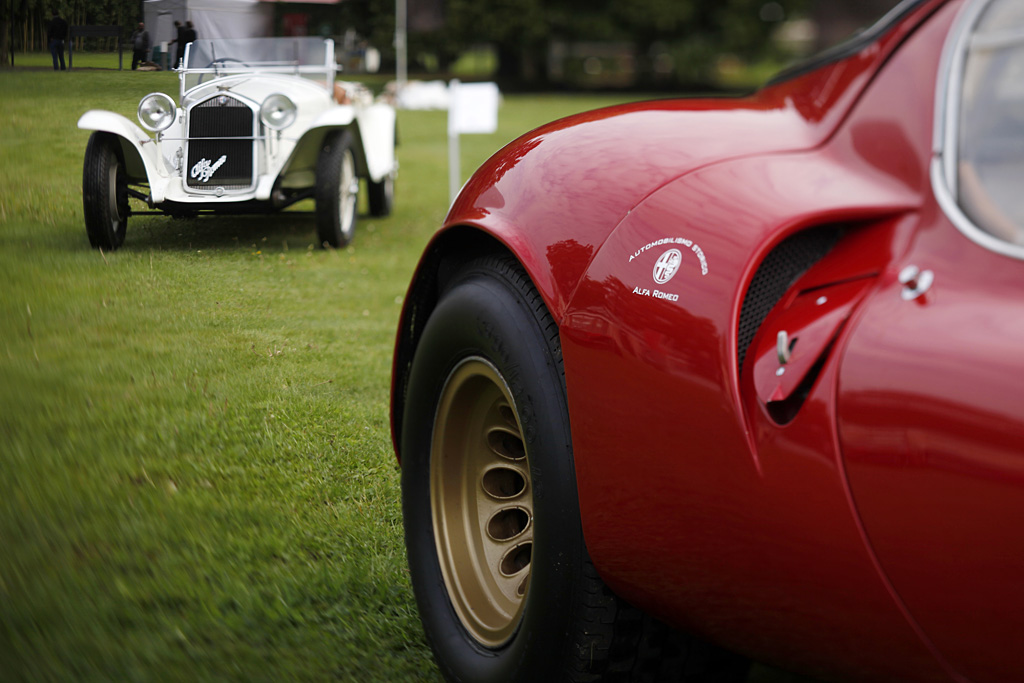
(204, 169)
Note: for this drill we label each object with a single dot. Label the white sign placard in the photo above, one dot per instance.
(472, 108)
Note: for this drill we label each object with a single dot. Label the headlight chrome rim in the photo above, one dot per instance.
(278, 112)
(157, 112)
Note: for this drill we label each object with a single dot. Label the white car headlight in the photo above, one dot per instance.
(157, 111)
(277, 112)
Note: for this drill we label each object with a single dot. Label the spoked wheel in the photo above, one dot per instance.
(337, 190)
(481, 501)
(105, 192)
(504, 584)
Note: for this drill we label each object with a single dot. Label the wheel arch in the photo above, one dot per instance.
(307, 149)
(374, 150)
(140, 165)
(442, 259)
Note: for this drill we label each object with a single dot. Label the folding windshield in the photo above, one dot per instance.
(981, 149)
(311, 58)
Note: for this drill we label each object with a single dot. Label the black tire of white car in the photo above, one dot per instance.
(337, 190)
(104, 192)
(381, 196)
(486, 395)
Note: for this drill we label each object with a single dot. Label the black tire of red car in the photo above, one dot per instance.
(104, 192)
(570, 626)
(381, 196)
(337, 190)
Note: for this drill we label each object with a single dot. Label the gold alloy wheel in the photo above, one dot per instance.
(481, 500)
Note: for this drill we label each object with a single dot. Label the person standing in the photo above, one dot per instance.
(140, 45)
(56, 34)
(190, 36)
(179, 43)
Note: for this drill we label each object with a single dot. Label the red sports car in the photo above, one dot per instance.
(749, 368)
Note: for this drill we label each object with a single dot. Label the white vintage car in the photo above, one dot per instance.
(261, 125)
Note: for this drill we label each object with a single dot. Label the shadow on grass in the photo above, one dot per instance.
(296, 229)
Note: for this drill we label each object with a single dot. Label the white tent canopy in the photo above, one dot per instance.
(211, 18)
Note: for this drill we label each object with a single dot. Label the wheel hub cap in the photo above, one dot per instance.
(482, 502)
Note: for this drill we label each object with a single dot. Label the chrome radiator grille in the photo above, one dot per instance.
(214, 159)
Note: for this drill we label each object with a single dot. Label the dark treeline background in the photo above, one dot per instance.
(649, 35)
(534, 43)
(24, 22)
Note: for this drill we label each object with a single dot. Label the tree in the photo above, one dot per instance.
(517, 28)
(521, 30)
(26, 20)
(373, 20)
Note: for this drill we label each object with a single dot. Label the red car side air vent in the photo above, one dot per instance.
(778, 271)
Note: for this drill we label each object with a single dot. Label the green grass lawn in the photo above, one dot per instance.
(196, 473)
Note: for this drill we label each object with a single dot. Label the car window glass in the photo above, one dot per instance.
(843, 29)
(253, 53)
(990, 159)
(308, 57)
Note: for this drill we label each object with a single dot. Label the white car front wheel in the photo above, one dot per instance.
(104, 192)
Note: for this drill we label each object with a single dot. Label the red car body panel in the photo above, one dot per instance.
(930, 417)
(853, 517)
(554, 195)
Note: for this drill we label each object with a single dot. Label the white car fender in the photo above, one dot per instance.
(335, 117)
(146, 160)
(374, 128)
(377, 130)
(304, 155)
